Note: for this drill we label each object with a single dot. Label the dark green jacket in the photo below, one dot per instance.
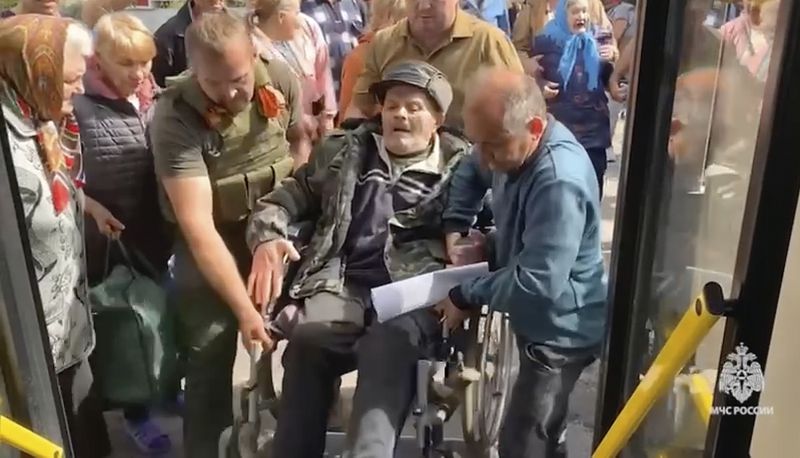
(322, 191)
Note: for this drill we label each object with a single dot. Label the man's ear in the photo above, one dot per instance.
(536, 127)
(439, 118)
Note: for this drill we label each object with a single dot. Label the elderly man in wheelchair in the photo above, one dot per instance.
(376, 196)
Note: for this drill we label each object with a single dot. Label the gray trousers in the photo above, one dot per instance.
(535, 424)
(335, 338)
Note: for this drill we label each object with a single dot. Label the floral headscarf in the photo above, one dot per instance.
(32, 73)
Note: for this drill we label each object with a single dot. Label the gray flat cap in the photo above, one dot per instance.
(418, 74)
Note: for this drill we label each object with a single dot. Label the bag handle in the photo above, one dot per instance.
(125, 257)
(146, 265)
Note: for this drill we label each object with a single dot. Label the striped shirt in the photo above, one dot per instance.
(386, 184)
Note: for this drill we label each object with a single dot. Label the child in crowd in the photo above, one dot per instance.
(575, 70)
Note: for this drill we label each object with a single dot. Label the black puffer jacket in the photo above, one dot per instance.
(120, 176)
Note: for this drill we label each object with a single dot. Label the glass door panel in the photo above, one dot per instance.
(717, 103)
(775, 432)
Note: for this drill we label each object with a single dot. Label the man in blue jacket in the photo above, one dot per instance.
(548, 271)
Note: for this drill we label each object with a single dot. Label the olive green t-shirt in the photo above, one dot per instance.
(179, 135)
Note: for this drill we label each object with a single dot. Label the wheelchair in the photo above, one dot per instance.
(471, 373)
(479, 364)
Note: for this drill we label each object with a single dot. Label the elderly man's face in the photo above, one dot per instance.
(500, 150)
(431, 16)
(410, 120)
(229, 80)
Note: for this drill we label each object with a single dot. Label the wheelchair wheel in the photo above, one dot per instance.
(494, 353)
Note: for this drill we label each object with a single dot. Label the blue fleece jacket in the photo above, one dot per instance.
(549, 268)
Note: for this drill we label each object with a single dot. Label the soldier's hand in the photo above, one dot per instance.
(253, 330)
(266, 274)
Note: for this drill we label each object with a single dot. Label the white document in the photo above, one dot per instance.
(421, 291)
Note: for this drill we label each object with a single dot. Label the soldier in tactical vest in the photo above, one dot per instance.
(219, 138)
(376, 195)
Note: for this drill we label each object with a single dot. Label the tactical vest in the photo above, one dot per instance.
(247, 155)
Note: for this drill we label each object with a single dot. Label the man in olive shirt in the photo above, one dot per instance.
(219, 137)
(443, 35)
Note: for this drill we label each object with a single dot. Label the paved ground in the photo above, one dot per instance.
(582, 403)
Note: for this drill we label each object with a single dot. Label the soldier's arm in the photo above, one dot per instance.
(191, 201)
(177, 151)
(299, 197)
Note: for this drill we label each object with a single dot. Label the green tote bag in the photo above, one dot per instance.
(135, 358)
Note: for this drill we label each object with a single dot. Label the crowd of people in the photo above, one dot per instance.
(385, 124)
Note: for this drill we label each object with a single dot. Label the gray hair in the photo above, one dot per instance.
(79, 40)
(523, 103)
(521, 98)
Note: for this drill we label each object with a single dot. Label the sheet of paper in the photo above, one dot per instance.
(421, 291)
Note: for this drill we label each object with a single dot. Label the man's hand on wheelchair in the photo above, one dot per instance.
(265, 282)
(450, 315)
(462, 251)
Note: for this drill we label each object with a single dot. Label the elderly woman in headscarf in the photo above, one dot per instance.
(531, 19)
(575, 70)
(42, 61)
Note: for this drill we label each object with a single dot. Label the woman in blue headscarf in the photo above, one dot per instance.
(575, 56)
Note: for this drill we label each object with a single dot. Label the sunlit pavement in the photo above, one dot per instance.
(582, 403)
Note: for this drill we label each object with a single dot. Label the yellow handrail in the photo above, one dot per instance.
(680, 346)
(702, 396)
(27, 441)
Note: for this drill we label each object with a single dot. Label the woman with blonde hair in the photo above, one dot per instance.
(282, 32)
(383, 13)
(113, 115)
